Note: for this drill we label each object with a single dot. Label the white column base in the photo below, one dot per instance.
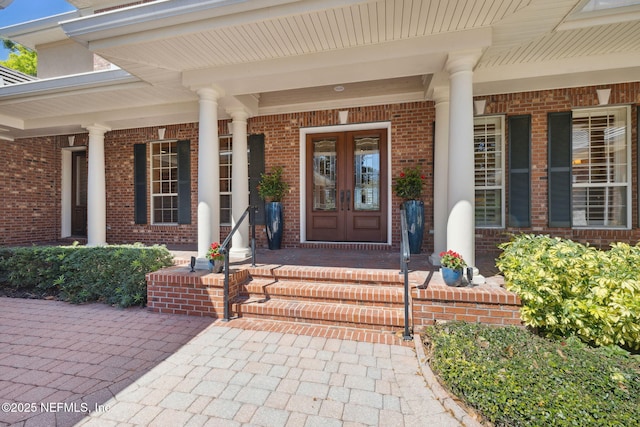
(434, 259)
(478, 279)
(240, 253)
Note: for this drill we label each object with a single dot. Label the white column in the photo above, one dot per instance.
(461, 191)
(208, 174)
(96, 187)
(239, 183)
(440, 173)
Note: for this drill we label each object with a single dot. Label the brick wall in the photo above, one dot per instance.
(31, 180)
(539, 104)
(411, 136)
(30, 184)
(176, 290)
(491, 305)
(121, 227)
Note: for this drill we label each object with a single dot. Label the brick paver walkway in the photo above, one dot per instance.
(132, 367)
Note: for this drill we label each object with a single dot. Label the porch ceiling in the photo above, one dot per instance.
(287, 55)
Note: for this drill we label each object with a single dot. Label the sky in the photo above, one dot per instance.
(20, 11)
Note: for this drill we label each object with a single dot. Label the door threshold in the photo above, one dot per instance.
(366, 246)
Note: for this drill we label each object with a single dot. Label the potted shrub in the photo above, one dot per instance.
(452, 267)
(408, 186)
(272, 189)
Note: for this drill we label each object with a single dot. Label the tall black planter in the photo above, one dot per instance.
(274, 222)
(414, 211)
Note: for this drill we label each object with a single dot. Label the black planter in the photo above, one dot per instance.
(274, 222)
(414, 211)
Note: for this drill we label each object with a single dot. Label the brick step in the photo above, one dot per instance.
(361, 276)
(355, 294)
(323, 331)
(368, 317)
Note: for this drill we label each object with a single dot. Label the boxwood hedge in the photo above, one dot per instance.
(112, 274)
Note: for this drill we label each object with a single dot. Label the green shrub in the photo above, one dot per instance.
(515, 378)
(569, 288)
(112, 274)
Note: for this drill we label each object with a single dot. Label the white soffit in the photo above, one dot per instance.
(285, 29)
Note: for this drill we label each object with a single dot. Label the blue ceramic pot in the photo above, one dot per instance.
(414, 211)
(451, 277)
(274, 223)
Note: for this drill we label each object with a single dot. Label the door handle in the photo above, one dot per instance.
(348, 200)
(341, 200)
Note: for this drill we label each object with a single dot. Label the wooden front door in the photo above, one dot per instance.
(346, 186)
(79, 194)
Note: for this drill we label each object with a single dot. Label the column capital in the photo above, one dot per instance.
(238, 114)
(211, 93)
(462, 60)
(97, 128)
(440, 94)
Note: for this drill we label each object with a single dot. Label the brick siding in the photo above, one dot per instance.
(30, 177)
(30, 183)
(491, 305)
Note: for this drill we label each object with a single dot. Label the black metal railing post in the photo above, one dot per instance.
(252, 220)
(225, 252)
(405, 257)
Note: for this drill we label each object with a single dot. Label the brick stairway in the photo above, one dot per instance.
(348, 297)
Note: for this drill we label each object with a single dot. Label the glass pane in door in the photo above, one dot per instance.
(324, 175)
(366, 190)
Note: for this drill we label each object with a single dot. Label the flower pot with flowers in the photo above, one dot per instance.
(452, 267)
(272, 189)
(408, 186)
(215, 257)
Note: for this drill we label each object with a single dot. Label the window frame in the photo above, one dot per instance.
(628, 171)
(228, 194)
(502, 186)
(152, 194)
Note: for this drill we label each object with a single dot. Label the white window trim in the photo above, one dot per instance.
(502, 187)
(65, 189)
(151, 193)
(629, 171)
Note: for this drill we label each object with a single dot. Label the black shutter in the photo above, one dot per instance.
(520, 171)
(559, 146)
(256, 168)
(184, 182)
(140, 183)
(638, 154)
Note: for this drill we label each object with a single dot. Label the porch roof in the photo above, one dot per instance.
(277, 56)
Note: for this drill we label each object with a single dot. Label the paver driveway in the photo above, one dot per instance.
(58, 362)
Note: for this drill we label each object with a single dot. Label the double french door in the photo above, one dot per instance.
(346, 186)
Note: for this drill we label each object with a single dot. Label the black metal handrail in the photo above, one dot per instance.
(225, 252)
(405, 258)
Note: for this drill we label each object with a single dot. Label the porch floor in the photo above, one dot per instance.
(346, 258)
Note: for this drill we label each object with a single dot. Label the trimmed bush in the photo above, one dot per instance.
(568, 288)
(112, 274)
(515, 378)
